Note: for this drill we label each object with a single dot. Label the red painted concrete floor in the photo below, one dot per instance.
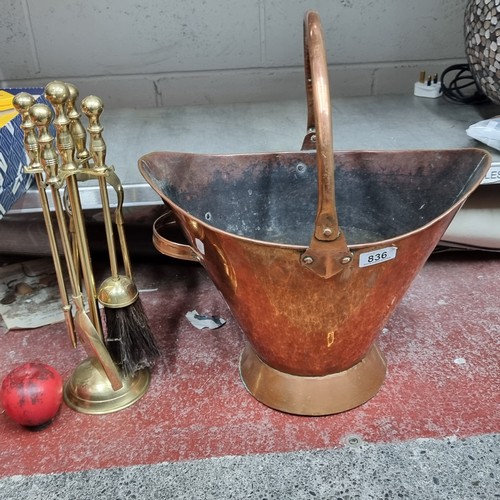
(441, 346)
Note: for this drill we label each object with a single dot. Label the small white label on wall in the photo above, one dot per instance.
(377, 256)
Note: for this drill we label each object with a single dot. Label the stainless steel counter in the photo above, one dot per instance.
(363, 123)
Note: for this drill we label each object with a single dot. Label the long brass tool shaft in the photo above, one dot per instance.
(92, 106)
(57, 93)
(82, 154)
(23, 102)
(83, 251)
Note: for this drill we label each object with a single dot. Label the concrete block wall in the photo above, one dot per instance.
(166, 52)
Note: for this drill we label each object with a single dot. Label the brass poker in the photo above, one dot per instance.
(22, 103)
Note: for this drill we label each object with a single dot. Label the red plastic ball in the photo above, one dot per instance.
(31, 394)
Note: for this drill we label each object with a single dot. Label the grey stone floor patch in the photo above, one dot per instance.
(452, 468)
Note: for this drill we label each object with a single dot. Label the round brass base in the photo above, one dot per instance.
(313, 396)
(89, 391)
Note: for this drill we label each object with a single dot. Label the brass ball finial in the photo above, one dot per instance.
(41, 114)
(92, 106)
(56, 92)
(22, 102)
(73, 92)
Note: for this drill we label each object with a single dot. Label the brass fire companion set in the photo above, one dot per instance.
(312, 250)
(116, 373)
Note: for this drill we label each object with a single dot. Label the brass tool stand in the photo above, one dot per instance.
(97, 385)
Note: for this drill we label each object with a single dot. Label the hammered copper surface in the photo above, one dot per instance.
(297, 321)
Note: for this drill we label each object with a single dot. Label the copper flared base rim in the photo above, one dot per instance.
(313, 396)
(89, 391)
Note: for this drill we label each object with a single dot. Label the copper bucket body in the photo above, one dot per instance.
(312, 250)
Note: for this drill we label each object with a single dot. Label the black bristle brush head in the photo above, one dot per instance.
(129, 339)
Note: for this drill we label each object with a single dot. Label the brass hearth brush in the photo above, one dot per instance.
(129, 337)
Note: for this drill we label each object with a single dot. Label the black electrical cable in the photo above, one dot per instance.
(462, 88)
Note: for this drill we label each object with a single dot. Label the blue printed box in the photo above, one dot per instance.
(13, 181)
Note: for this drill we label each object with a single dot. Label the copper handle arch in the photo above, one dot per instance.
(168, 247)
(327, 253)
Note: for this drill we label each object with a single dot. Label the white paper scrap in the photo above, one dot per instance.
(203, 321)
